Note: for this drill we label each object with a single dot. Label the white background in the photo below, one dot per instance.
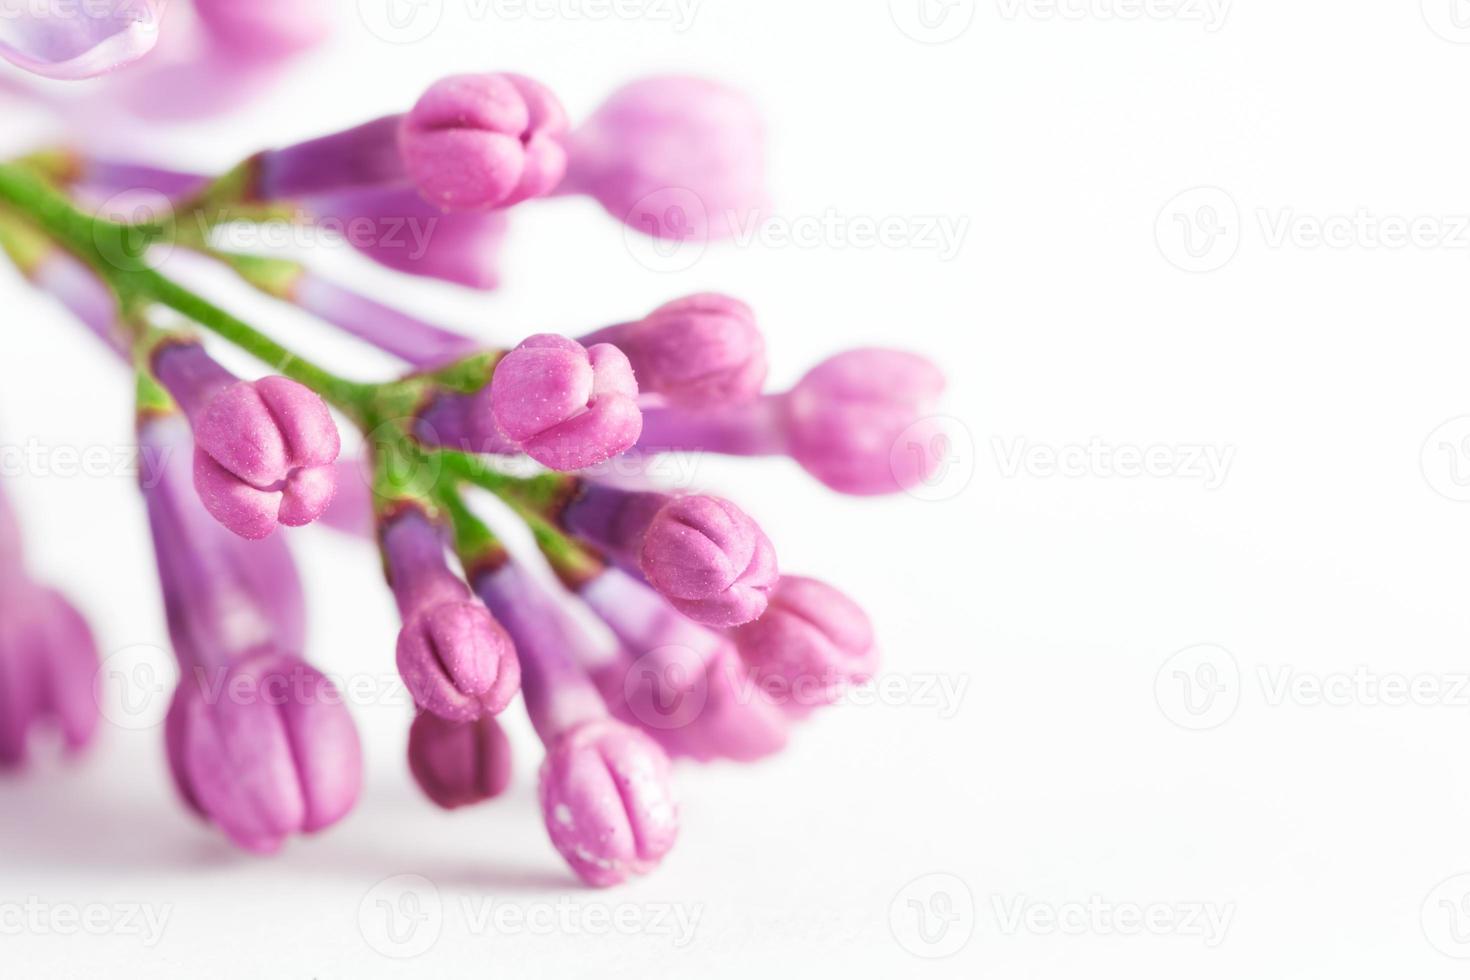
(1078, 778)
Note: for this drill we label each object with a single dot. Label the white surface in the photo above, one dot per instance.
(1320, 829)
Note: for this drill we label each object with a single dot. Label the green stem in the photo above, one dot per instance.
(116, 253)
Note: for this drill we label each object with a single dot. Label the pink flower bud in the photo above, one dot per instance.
(48, 662)
(845, 420)
(264, 749)
(703, 351)
(455, 659)
(69, 40)
(811, 644)
(475, 142)
(263, 449)
(677, 158)
(566, 406)
(459, 763)
(266, 28)
(681, 683)
(264, 455)
(709, 559)
(608, 801)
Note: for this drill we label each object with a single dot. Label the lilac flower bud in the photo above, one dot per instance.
(861, 422)
(702, 553)
(605, 790)
(264, 449)
(264, 749)
(223, 594)
(266, 28)
(68, 40)
(845, 418)
(566, 406)
(680, 158)
(680, 682)
(456, 660)
(702, 351)
(459, 763)
(48, 661)
(811, 643)
(607, 796)
(475, 142)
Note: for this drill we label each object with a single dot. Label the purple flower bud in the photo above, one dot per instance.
(266, 28)
(682, 683)
(861, 422)
(48, 661)
(811, 643)
(459, 763)
(223, 595)
(607, 797)
(566, 406)
(264, 749)
(702, 553)
(710, 560)
(456, 660)
(702, 351)
(844, 420)
(69, 40)
(680, 158)
(475, 142)
(263, 450)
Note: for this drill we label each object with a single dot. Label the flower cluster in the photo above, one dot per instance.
(709, 651)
